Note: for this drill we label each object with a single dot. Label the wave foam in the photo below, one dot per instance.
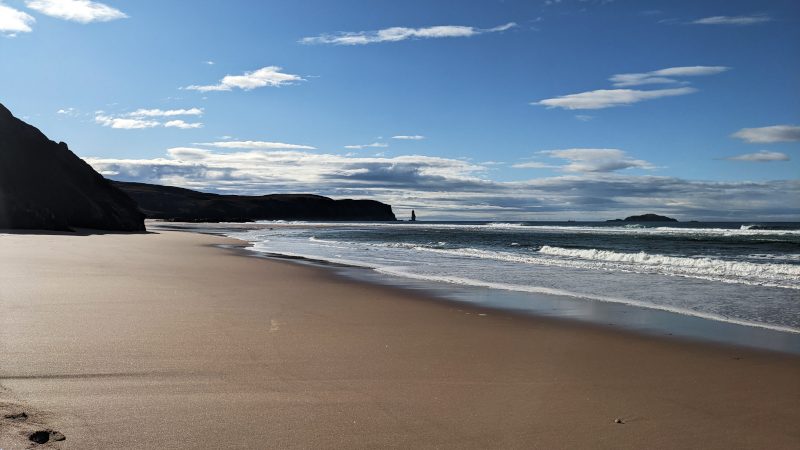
(767, 274)
(731, 271)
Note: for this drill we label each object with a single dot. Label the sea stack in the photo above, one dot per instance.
(43, 185)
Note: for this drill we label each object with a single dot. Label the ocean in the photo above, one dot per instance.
(743, 273)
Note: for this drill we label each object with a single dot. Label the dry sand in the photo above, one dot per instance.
(164, 341)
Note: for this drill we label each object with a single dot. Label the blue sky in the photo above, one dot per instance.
(510, 109)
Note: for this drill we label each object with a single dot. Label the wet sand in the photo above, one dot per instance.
(165, 341)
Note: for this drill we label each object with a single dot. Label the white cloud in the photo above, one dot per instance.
(13, 21)
(663, 76)
(182, 125)
(83, 11)
(395, 34)
(761, 156)
(255, 145)
(70, 112)
(124, 123)
(290, 168)
(144, 118)
(768, 135)
(607, 98)
(733, 20)
(415, 137)
(534, 165)
(584, 117)
(210, 63)
(596, 160)
(166, 113)
(372, 145)
(266, 76)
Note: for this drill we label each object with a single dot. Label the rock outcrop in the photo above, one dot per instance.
(43, 185)
(186, 205)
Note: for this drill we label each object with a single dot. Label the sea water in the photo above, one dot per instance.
(741, 273)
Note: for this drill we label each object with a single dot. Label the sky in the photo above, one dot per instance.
(475, 110)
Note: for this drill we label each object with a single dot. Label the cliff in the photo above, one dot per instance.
(178, 204)
(43, 185)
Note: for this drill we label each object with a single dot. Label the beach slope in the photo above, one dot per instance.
(163, 340)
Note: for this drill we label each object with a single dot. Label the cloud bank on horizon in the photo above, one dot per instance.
(455, 188)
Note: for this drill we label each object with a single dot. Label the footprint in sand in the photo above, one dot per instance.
(274, 326)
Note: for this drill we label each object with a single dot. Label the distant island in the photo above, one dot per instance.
(185, 205)
(645, 218)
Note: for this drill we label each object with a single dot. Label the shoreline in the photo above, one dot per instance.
(427, 293)
(638, 319)
(164, 340)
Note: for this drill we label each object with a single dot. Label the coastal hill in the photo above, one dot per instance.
(645, 218)
(43, 185)
(185, 205)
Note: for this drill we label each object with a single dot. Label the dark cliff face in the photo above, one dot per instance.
(43, 185)
(172, 203)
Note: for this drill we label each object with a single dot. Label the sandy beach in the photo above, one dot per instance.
(163, 340)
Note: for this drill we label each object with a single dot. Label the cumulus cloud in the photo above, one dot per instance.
(255, 145)
(414, 137)
(71, 112)
(83, 11)
(733, 20)
(166, 113)
(395, 34)
(13, 21)
(145, 118)
(760, 156)
(182, 125)
(596, 160)
(124, 123)
(453, 188)
(664, 76)
(534, 165)
(607, 98)
(270, 76)
(372, 145)
(771, 134)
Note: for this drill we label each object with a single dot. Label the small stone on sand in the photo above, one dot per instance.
(45, 436)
